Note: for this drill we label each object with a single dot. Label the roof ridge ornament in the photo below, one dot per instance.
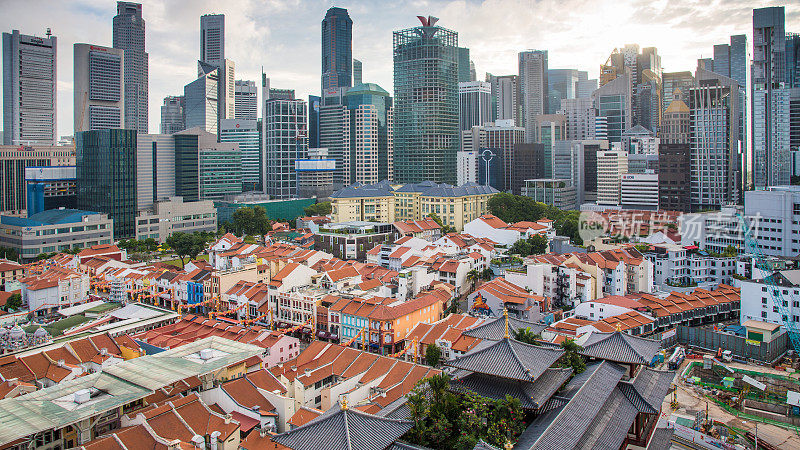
(619, 327)
(344, 403)
(505, 316)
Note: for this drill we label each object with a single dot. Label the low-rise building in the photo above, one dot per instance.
(54, 231)
(56, 288)
(174, 215)
(10, 274)
(555, 192)
(352, 240)
(494, 297)
(495, 229)
(757, 303)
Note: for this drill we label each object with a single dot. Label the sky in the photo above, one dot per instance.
(283, 36)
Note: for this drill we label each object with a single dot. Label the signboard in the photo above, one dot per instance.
(752, 342)
(755, 383)
(668, 334)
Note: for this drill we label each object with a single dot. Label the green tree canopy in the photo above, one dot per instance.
(515, 208)
(527, 336)
(571, 358)
(318, 209)
(250, 220)
(187, 245)
(13, 302)
(433, 354)
(446, 229)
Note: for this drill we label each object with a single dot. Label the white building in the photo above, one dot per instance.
(757, 304)
(173, 215)
(54, 289)
(99, 91)
(467, 166)
(246, 96)
(155, 169)
(491, 227)
(611, 165)
(676, 268)
(474, 104)
(245, 132)
(580, 115)
(639, 191)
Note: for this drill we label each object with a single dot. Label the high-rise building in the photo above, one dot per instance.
(562, 84)
(475, 139)
(98, 87)
(15, 160)
(315, 174)
(532, 89)
(29, 89)
(285, 141)
(371, 117)
(639, 191)
(206, 169)
(466, 69)
(722, 59)
(505, 94)
(129, 36)
(613, 102)
(425, 125)
(611, 164)
(576, 161)
(770, 101)
(550, 128)
(502, 137)
(201, 102)
(644, 76)
(337, 49)
(474, 104)
(585, 88)
(794, 119)
(333, 131)
(108, 191)
(579, 114)
(738, 55)
(212, 39)
(674, 175)
(792, 59)
(714, 132)
(673, 81)
(467, 167)
(155, 169)
(638, 140)
(528, 165)
(245, 132)
(246, 99)
(358, 72)
(173, 117)
(675, 129)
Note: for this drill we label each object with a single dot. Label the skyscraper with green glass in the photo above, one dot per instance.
(426, 136)
(106, 176)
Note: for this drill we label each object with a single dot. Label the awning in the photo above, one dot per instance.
(246, 423)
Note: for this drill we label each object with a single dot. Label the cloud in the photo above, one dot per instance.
(283, 36)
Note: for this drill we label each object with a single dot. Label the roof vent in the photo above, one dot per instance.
(256, 408)
(228, 418)
(199, 441)
(206, 354)
(308, 372)
(60, 363)
(82, 396)
(294, 368)
(103, 351)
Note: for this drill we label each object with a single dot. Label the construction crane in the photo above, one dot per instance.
(778, 300)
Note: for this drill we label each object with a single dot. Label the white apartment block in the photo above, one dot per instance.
(611, 165)
(677, 269)
(467, 167)
(757, 303)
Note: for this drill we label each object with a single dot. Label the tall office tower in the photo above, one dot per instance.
(577, 161)
(579, 114)
(647, 102)
(173, 117)
(29, 89)
(770, 99)
(371, 116)
(642, 163)
(600, 130)
(532, 89)
(108, 191)
(204, 168)
(245, 133)
(562, 84)
(722, 59)
(201, 101)
(502, 137)
(212, 39)
(425, 126)
(585, 88)
(792, 60)
(550, 128)
(128, 35)
(672, 81)
(794, 119)
(246, 99)
(285, 141)
(333, 131)
(738, 54)
(613, 102)
(713, 140)
(358, 72)
(337, 49)
(475, 139)
(674, 162)
(98, 87)
(675, 129)
(155, 169)
(14, 162)
(465, 66)
(638, 140)
(706, 64)
(611, 164)
(467, 163)
(474, 104)
(504, 97)
(644, 78)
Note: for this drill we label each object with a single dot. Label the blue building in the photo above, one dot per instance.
(50, 187)
(491, 170)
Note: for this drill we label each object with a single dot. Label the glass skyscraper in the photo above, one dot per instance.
(371, 146)
(128, 35)
(106, 176)
(246, 133)
(337, 49)
(426, 104)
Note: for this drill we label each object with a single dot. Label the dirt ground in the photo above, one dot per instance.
(688, 399)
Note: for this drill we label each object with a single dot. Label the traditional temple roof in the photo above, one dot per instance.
(596, 409)
(344, 428)
(483, 445)
(509, 359)
(495, 330)
(621, 347)
(532, 395)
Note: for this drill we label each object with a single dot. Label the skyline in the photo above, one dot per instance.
(282, 30)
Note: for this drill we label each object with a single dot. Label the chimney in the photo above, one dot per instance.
(228, 418)
(199, 441)
(308, 372)
(103, 351)
(215, 440)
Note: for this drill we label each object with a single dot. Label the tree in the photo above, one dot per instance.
(187, 245)
(318, 209)
(571, 358)
(13, 302)
(446, 229)
(487, 274)
(473, 276)
(433, 354)
(9, 253)
(247, 220)
(527, 336)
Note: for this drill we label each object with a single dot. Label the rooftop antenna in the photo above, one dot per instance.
(48, 33)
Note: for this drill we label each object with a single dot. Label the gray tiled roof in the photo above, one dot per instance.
(401, 445)
(532, 395)
(483, 445)
(510, 359)
(431, 189)
(345, 430)
(398, 409)
(662, 439)
(653, 385)
(496, 329)
(357, 190)
(621, 347)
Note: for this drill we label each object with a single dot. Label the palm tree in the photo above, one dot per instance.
(487, 274)
(571, 357)
(527, 336)
(473, 276)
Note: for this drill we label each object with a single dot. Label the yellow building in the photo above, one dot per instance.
(381, 202)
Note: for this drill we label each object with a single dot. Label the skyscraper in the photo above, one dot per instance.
(246, 100)
(371, 134)
(358, 75)
(532, 89)
(613, 102)
(29, 89)
(98, 87)
(212, 39)
(672, 81)
(465, 66)
(245, 132)
(285, 141)
(792, 60)
(201, 100)
(205, 168)
(474, 104)
(562, 84)
(579, 114)
(109, 191)
(505, 97)
(770, 99)
(128, 35)
(337, 49)
(173, 117)
(425, 125)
